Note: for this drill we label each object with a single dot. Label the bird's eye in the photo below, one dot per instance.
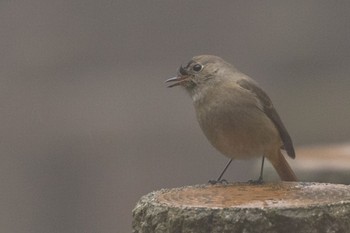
(197, 67)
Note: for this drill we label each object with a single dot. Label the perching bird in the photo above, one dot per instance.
(235, 114)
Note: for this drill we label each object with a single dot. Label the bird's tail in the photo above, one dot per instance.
(282, 167)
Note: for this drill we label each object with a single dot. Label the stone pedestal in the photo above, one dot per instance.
(241, 207)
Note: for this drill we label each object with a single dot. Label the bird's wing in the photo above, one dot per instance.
(271, 112)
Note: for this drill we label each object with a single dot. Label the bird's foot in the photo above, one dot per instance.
(260, 180)
(222, 181)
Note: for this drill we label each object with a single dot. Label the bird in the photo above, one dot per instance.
(235, 114)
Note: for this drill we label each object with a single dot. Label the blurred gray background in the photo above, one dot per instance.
(88, 127)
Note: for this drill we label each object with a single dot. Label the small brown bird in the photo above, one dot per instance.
(235, 114)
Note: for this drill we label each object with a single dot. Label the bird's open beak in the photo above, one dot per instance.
(182, 78)
(179, 80)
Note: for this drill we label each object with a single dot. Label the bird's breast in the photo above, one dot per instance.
(235, 125)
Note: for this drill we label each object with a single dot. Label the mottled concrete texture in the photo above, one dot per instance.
(272, 208)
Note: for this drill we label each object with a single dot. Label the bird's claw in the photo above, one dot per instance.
(223, 181)
(258, 181)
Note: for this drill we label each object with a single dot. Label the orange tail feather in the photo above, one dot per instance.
(282, 167)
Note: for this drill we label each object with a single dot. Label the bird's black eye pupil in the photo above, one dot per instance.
(197, 67)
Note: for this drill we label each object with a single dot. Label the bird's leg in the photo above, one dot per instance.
(260, 180)
(219, 180)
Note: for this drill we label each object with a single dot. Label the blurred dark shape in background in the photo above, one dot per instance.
(87, 125)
